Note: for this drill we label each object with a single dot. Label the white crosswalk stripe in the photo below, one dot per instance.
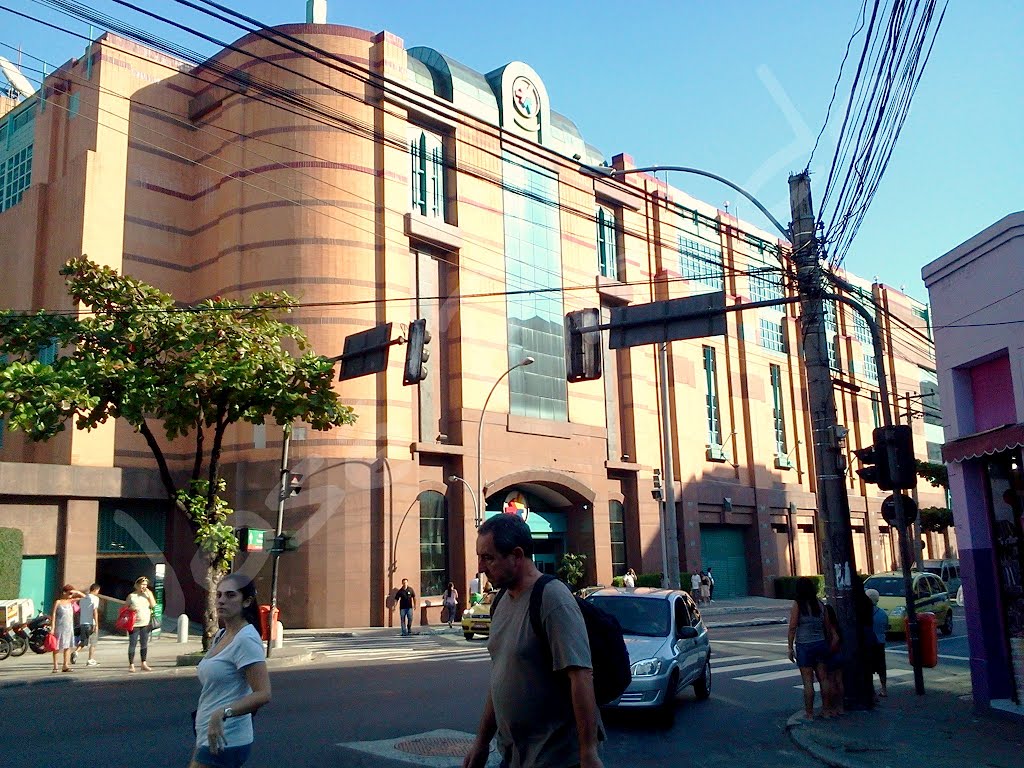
(388, 649)
(889, 675)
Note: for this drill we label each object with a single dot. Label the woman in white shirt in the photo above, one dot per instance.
(234, 678)
(142, 602)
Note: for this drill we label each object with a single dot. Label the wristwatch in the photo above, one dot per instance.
(227, 713)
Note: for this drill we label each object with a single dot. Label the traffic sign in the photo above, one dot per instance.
(889, 510)
(692, 317)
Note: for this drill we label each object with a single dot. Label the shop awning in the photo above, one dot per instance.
(987, 443)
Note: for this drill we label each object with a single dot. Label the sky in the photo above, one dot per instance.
(738, 88)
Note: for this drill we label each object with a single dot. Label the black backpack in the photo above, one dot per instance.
(608, 653)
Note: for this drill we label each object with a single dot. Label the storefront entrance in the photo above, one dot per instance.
(547, 525)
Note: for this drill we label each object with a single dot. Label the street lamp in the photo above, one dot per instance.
(480, 440)
(472, 495)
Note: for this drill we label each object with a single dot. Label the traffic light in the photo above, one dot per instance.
(292, 485)
(874, 463)
(416, 352)
(657, 492)
(875, 459)
(582, 348)
(286, 542)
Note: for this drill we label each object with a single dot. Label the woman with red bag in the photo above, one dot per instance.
(62, 623)
(142, 602)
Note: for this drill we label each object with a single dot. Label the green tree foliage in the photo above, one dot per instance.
(936, 474)
(571, 569)
(133, 353)
(936, 519)
(12, 551)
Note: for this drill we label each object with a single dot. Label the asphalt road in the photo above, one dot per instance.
(379, 689)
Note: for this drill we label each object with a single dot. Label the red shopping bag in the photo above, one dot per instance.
(125, 619)
(50, 643)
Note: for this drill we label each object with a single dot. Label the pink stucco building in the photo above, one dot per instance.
(976, 293)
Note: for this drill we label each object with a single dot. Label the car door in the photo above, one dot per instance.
(687, 650)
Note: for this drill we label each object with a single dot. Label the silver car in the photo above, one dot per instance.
(667, 642)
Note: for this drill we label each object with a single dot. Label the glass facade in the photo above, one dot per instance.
(766, 282)
(701, 263)
(713, 412)
(607, 247)
(426, 179)
(772, 335)
(17, 130)
(433, 543)
(533, 263)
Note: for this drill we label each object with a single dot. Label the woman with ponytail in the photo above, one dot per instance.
(234, 679)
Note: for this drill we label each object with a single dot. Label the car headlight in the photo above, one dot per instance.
(646, 668)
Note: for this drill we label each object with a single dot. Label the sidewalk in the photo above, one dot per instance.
(937, 730)
(112, 662)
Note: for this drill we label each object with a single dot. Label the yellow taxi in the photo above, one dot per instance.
(929, 595)
(476, 620)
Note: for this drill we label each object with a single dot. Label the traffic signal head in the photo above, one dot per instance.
(416, 352)
(293, 485)
(582, 348)
(904, 475)
(874, 465)
(657, 491)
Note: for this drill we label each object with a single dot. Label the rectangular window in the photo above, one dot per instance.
(533, 264)
(922, 314)
(778, 412)
(433, 544)
(713, 412)
(766, 282)
(861, 331)
(773, 336)
(426, 180)
(701, 263)
(617, 523)
(870, 371)
(876, 410)
(48, 354)
(15, 177)
(73, 104)
(607, 246)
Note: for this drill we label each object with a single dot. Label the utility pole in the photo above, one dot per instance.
(281, 497)
(833, 503)
(915, 528)
(670, 536)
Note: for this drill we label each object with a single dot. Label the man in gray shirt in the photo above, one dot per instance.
(541, 700)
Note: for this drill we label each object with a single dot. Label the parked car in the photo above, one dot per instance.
(929, 595)
(947, 570)
(476, 620)
(668, 644)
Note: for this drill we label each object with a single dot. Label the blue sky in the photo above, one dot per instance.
(739, 89)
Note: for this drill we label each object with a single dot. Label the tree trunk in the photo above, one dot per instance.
(210, 622)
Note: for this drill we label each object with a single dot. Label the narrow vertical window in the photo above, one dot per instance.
(426, 173)
(778, 412)
(607, 247)
(714, 415)
(433, 543)
(617, 523)
(876, 410)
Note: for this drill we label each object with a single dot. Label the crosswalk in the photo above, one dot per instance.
(744, 663)
(389, 650)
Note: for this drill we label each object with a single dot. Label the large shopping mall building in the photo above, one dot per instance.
(380, 183)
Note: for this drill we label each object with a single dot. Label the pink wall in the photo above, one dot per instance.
(992, 393)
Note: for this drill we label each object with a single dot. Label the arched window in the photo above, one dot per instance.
(433, 543)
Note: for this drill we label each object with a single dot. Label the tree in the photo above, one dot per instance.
(571, 569)
(132, 352)
(936, 519)
(936, 474)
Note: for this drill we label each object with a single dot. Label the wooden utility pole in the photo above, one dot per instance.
(838, 563)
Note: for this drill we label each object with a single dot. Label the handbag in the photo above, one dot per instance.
(125, 619)
(50, 643)
(153, 623)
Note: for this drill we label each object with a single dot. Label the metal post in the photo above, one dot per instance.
(669, 534)
(833, 505)
(916, 526)
(281, 496)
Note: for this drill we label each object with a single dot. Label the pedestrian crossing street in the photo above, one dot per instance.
(732, 659)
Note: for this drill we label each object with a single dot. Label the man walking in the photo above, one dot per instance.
(406, 604)
(711, 580)
(541, 700)
(88, 614)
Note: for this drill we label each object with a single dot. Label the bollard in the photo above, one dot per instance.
(279, 635)
(183, 628)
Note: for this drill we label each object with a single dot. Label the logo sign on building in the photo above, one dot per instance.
(515, 504)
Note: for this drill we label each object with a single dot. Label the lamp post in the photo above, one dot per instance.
(481, 499)
(472, 495)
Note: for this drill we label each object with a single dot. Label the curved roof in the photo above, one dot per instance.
(464, 87)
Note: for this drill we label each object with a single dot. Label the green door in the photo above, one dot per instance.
(39, 581)
(722, 549)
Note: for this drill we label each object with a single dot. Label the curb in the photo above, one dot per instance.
(795, 728)
(744, 623)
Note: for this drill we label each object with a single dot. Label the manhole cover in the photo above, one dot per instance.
(436, 746)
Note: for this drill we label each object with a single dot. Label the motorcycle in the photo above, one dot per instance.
(18, 643)
(38, 630)
(5, 648)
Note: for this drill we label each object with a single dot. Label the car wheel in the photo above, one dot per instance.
(703, 685)
(468, 635)
(671, 692)
(947, 625)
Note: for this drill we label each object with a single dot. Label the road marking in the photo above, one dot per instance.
(719, 660)
(747, 642)
(752, 665)
(889, 675)
(766, 676)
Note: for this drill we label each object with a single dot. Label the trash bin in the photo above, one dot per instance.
(268, 629)
(928, 629)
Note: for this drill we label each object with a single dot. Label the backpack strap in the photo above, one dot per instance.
(536, 598)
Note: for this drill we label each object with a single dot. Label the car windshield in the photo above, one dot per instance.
(637, 615)
(887, 586)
